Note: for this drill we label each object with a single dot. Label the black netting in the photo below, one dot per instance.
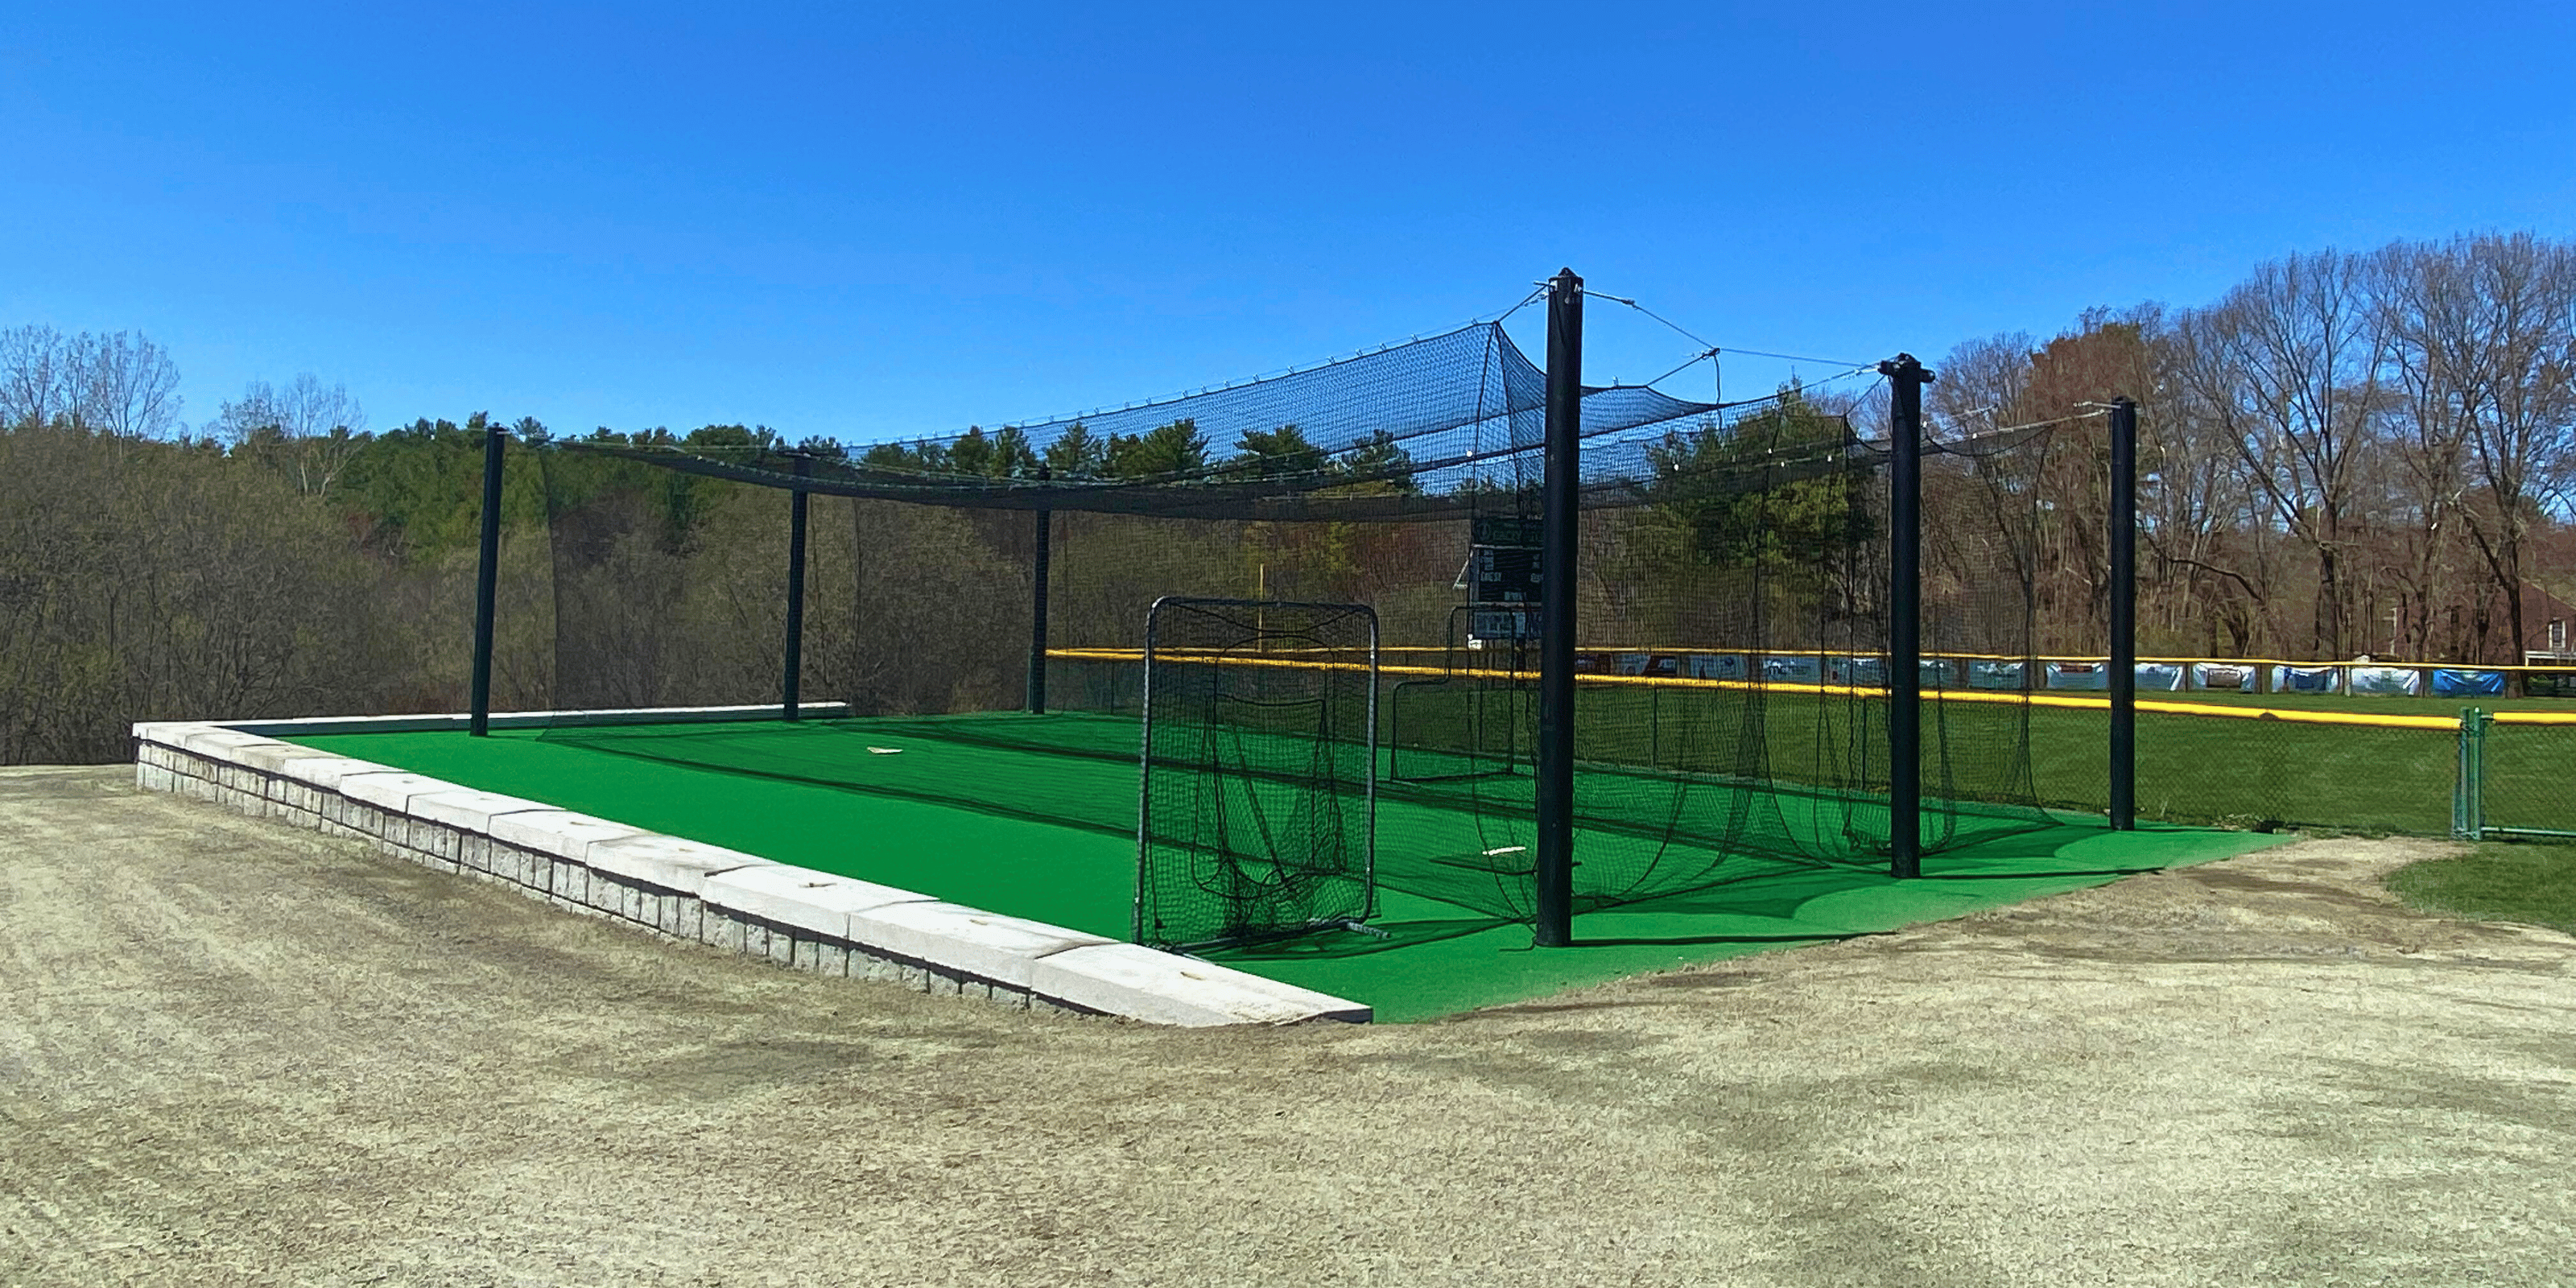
(1732, 696)
(1260, 753)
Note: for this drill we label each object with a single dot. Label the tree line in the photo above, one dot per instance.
(2345, 453)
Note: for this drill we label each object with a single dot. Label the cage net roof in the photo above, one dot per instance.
(1429, 428)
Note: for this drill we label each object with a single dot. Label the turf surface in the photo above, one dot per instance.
(968, 809)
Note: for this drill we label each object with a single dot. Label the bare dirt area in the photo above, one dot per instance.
(231, 1052)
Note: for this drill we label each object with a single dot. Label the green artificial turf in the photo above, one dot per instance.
(1033, 817)
(2499, 881)
(1441, 965)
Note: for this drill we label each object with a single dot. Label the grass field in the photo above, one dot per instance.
(2521, 882)
(979, 810)
(2228, 771)
(2192, 769)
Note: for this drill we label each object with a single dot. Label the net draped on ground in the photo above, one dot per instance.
(1732, 587)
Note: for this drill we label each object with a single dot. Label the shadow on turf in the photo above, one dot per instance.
(2038, 876)
(1384, 936)
(1750, 899)
(1662, 941)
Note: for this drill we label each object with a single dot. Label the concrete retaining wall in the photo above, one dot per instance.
(683, 889)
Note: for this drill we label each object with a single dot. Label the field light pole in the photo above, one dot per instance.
(487, 580)
(1906, 378)
(791, 683)
(1559, 514)
(2124, 615)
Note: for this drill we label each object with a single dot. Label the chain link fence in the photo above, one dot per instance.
(2476, 775)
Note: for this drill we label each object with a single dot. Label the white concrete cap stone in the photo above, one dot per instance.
(985, 945)
(223, 744)
(467, 809)
(668, 861)
(168, 733)
(1159, 987)
(275, 757)
(561, 833)
(392, 790)
(328, 772)
(1082, 970)
(800, 897)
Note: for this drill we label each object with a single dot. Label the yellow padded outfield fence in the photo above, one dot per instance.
(1998, 697)
(2469, 773)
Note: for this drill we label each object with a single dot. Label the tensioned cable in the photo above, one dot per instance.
(1773, 398)
(1526, 301)
(1966, 437)
(1849, 371)
(1711, 350)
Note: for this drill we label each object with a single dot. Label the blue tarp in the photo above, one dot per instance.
(2307, 679)
(2164, 677)
(2450, 682)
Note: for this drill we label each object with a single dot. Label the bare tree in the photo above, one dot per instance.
(123, 383)
(116, 383)
(2434, 368)
(2486, 353)
(34, 362)
(2197, 508)
(2288, 365)
(311, 429)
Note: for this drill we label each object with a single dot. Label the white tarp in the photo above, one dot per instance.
(2386, 681)
(2078, 675)
(1858, 672)
(2237, 677)
(1996, 675)
(1713, 666)
(1792, 668)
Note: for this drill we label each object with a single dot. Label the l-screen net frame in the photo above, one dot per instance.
(1172, 673)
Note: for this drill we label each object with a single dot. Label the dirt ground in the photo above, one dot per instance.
(231, 1052)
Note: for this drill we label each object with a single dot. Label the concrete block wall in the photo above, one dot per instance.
(687, 890)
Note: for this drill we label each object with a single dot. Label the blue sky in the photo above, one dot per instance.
(871, 222)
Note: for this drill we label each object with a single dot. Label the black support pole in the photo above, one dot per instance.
(1559, 516)
(2124, 615)
(487, 580)
(1038, 559)
(791, 680)
(1906, 378)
